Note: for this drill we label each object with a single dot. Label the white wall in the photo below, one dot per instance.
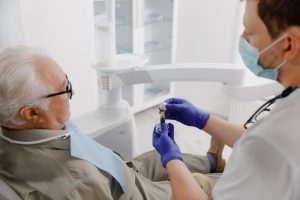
(207, 32)
(10, 19)
(63, 31)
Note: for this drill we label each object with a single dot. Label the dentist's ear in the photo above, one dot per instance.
(292, 48)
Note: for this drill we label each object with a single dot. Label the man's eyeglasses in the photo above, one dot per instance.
(69, 90)
(266, 106)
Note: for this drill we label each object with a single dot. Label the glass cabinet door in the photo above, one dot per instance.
(124, 29)
(143, 27)
(158, 22)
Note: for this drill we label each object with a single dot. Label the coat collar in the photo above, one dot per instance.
(38, 134)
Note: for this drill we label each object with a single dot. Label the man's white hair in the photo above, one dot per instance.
(19, 84)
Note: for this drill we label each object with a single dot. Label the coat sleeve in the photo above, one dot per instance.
(256, 171)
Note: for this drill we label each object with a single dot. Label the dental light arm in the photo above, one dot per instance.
(112, 79)
(228, 74)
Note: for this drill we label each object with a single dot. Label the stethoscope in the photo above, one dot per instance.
(266, 106)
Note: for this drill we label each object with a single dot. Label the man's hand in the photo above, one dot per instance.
(186, 113)
(163, 141)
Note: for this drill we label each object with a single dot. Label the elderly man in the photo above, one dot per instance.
(42, 156)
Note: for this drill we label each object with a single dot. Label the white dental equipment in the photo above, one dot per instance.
(112, 124)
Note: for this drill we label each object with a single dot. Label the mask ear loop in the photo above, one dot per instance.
(281, 65)
(273, 44)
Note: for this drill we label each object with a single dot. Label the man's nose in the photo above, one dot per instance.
(245, 35)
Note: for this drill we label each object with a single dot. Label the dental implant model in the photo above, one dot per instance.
(162, 112)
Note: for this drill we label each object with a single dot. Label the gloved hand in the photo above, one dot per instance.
(163, 141)
(186, 113)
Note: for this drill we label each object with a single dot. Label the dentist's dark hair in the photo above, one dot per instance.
(278, 15)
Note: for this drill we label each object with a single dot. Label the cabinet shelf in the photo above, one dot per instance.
(152, 46)
(156, 18)
(168, 20)
(121, 50)
(123, 23)
(116, 0)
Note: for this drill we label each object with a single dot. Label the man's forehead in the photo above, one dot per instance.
(48, 69)
(250, 0)
(43, 60)
(251, 15)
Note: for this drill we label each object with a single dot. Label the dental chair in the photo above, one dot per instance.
(6, 193)
(108, 131)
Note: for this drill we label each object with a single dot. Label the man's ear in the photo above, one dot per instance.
(31, 114)
(292, 47)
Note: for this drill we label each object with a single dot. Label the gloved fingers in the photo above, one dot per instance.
(167, 131)
(160, 135)
(164, 128)
(171, 116)
(173, 108)
(171, 131)
(160, 129)
(155, 135)
(174, 101)
(157, 141)
(173, 111)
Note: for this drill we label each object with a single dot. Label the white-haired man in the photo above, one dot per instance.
(42, 156)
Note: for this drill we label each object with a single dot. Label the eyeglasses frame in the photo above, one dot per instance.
(68, 90)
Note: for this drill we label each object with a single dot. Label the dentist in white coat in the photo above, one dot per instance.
(265, 162)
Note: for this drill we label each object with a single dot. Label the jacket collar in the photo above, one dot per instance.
(38, 134)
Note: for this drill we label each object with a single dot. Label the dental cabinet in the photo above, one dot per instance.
(144, 27)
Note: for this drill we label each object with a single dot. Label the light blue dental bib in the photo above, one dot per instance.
(85, 148)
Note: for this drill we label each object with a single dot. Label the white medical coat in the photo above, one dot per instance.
(265, 162)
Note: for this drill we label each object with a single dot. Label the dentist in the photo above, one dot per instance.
(265, 162)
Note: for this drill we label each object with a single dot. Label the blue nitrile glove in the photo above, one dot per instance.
(163, 141)
(183, 111)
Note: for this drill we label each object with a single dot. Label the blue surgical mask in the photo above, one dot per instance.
(250, 56)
